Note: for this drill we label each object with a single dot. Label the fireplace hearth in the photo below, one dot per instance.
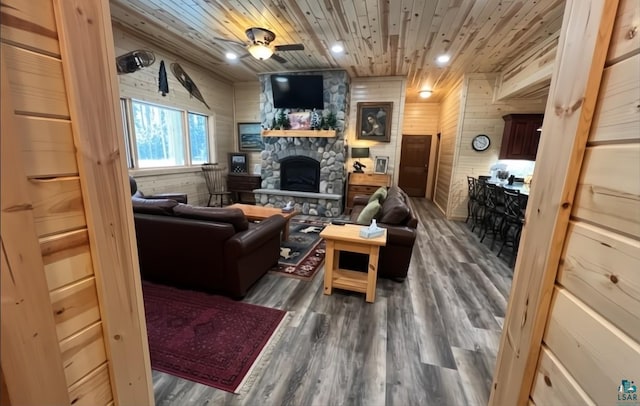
(300, 173)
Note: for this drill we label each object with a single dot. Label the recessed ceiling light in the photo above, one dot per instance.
(425, 94)
(444, 58)
(231, 55)
(337, 48)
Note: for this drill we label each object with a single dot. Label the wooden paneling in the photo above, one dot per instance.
(597, 354)
(66, 257)
(57, 205)
(529, 73)
(626, 38)
(143, 85)
(609, 190)
(30, 24)
(75, 307)
(396, 37)
(601, 268)
(386, 89)
(449, 119)
(85, 34)
(617, 116)
(573, 96)
(246, 103)
(36, 82)
(480, 115)
(554, 385)
(83, 352)
(31, 361)
(47, 147)
(93, 389)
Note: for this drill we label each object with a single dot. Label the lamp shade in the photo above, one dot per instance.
(359, 152)
(260, 51)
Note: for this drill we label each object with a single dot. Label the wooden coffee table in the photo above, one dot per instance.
(347, 238)
(257, 213)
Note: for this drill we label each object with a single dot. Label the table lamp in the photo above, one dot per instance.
(359, 153)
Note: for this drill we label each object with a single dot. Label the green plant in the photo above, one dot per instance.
(282, 121)
(332, 120)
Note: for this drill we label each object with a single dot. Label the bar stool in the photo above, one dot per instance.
(495, 214)
(480, 207)
(514, 221)
(472, 203)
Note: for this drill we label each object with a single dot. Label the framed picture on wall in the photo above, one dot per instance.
(380, 165)
(250, 137)
(237, 162)
(374, 121)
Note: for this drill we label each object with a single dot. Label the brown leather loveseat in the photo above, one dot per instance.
(396, 216)
(210, 249)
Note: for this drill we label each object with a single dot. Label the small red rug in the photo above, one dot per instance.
(204, 338)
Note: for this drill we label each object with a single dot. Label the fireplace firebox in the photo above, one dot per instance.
(300, 173)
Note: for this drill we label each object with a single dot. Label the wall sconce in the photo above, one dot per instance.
(425, 94)
(359, 153)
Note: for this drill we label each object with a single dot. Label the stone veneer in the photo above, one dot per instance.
(330, 152)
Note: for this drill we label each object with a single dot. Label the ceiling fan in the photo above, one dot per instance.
(259, 44)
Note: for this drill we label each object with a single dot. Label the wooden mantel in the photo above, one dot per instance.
(299, 133)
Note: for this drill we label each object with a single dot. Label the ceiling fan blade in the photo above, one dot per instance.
(278, 58)
(289, 47)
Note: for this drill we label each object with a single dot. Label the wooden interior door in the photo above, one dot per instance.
(414, 164)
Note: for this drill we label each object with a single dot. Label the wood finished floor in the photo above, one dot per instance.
(431, 340)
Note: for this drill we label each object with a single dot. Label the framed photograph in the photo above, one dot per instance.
(300, 120)
(249, 137)
(380, 164)
(237, 162)
(374, 121)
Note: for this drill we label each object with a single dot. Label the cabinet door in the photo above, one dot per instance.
(521, 137)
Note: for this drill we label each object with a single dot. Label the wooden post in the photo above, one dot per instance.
(86, 45)
(582, 50)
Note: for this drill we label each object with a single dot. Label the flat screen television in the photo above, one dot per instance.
(297, 91)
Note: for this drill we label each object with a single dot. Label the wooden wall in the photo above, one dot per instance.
(592, 338)
(219, 95)
(247, 110)
(450, 116)
(572, 333)
(481, 115)
(62, 282)
(381, 89)
(423, 119)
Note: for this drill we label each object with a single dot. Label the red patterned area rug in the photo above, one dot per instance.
(207, 339)
(302, 254)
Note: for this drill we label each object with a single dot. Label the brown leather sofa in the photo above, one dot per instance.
(210, 249)
(397, 217)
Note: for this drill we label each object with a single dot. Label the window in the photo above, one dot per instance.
(164, 137)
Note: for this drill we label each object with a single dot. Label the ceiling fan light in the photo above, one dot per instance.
(261, 52)
(425, 94)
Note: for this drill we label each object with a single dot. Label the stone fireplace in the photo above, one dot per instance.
(309, 171)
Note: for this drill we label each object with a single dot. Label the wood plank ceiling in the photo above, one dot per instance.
(381, 37)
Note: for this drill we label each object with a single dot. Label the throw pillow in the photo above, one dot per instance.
(368, 213)
(379, 195)
(235, 217)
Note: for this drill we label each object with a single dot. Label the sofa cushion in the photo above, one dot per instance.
(153, 206)
(235, 217)
(379, 195)
(368, 213)
(394, 211)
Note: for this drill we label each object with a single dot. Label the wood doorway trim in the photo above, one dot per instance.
(413, 171)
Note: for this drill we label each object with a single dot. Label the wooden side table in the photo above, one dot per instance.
(347, 238)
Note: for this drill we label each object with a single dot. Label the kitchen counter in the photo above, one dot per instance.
(519, 186)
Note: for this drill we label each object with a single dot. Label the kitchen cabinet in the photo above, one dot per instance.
(365, 184)
(521, 136)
